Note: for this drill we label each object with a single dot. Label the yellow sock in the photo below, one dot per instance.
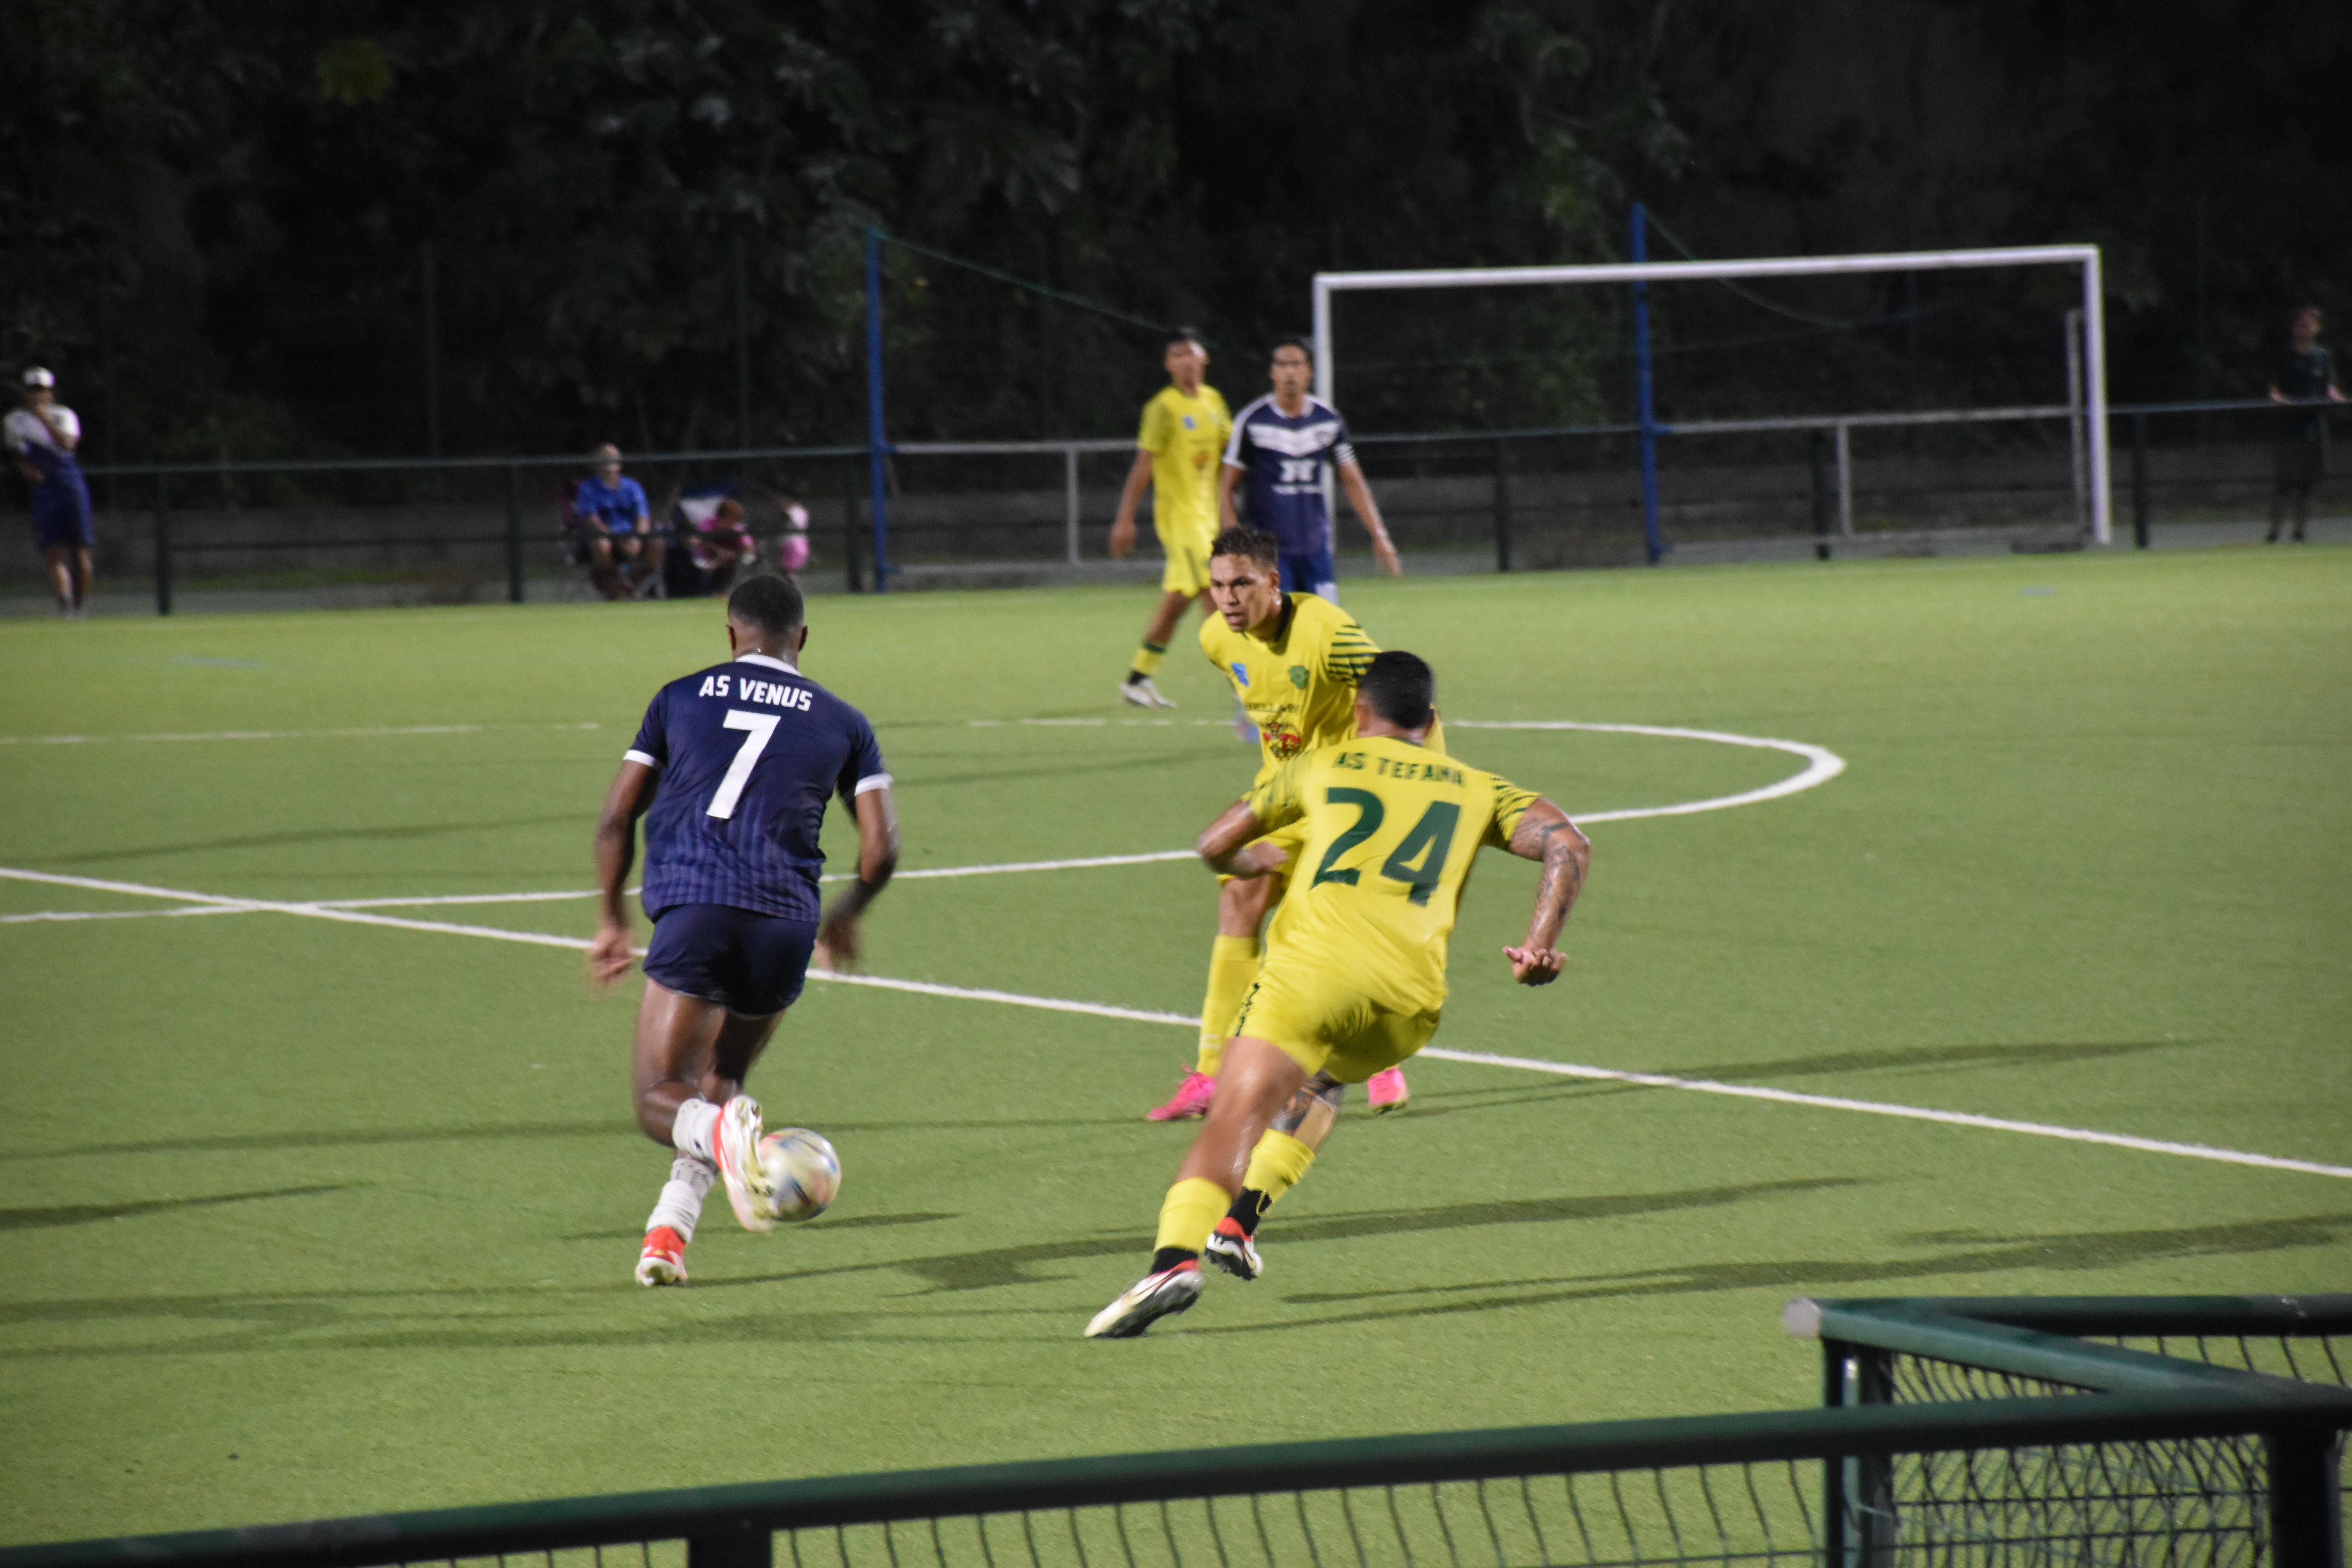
(1148, 657)
(1232, 965)
(1278, 1164)
(1192, 1210)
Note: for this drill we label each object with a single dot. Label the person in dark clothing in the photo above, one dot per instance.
(2303, 373)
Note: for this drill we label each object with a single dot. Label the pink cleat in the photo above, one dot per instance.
(1387, 1091)
(1190, 1100)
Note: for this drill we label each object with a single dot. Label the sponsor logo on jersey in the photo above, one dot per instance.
(1187, 423)
(1241, 674)
(1298, 675)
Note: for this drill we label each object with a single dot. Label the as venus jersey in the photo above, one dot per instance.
(1284, 454)
(750, 753)
(29, 438)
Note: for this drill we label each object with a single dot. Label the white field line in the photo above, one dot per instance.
(118, 914)
(1180, 1020)
(284, 734)
(1821, 764)
(1880, 1108)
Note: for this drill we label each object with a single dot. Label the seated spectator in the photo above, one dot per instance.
(711, 542)
(624, 557)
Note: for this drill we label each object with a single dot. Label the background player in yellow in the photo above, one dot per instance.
(1184, 430)
(1354, 975)
(1293, 660)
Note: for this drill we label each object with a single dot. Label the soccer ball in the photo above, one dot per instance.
(804, 1170)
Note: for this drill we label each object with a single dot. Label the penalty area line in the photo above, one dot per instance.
(1179, 1020)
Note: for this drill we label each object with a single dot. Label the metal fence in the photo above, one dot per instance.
(2114, 1457)
(977, 514)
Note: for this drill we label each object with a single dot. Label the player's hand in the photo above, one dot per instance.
(610, 956)
(1258, 859)
(839, 943)
(1535, 965)
(1122, 538)
(1384, 552)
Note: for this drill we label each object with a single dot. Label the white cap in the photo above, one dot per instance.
(36, 376)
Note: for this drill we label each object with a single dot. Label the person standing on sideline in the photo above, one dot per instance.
(41, 438)
(732, 772)
(1184, 428)
(2303, 373)
(1280, 445)
(620, 527)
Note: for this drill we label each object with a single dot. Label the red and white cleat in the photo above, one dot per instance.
(1232, 1249)
(1190, 1100)
(1387, 1091)
(663, 1262)
(1146, 1301)
(736, 1142)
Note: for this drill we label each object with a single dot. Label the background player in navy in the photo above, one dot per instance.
(732, 771)
(41, 436)
(1280, 445)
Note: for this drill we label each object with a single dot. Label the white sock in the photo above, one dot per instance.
(680, 1204)
(696, 1124)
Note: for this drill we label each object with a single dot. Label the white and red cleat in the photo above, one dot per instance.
(1233, 1249)
(1190, 1100)
(662, 1261)
(1146, 1301)
(735, 1142)
(1387, 1091)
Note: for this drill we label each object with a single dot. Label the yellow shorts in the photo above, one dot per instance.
(1325, 1025)
(1187, 561)
(1291, 838)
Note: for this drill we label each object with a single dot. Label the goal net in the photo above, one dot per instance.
(1792, 404)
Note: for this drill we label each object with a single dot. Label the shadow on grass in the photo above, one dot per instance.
(1928, 1057)
(309, 835)
(2067, 1252)
(90, 1213)
(355, 1138)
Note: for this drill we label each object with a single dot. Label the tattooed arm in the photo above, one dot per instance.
(1545, 834)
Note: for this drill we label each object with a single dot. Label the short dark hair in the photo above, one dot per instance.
(1255, 543)
(2314, 311)
(1401, 687)
(771, 605)
(1184, 335)
(1301, 344)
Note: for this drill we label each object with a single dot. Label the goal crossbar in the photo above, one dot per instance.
(2084, 257)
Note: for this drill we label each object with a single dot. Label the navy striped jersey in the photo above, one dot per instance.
(1284, 456)
(750, 753)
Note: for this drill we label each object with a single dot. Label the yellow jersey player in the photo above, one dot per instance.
(1184, 430)
(1355, 967)
(1294, 660)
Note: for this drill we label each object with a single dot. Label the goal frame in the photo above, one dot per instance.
(1640, 273)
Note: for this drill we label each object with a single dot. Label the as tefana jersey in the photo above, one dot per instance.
(1284, 454)
(750, 753)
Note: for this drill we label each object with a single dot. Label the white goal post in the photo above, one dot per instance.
(2086, 257)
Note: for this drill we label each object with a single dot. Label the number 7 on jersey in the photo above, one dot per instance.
(739, 771)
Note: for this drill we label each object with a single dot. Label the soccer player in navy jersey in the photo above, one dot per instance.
(732, 771)
(1280, 445)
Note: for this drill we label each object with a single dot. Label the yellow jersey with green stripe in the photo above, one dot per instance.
(1186, 437)
(1298, 684)
(1391, 829)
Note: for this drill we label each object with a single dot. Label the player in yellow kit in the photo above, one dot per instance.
(1354, 975)
(1184, 431)
(1294, 660)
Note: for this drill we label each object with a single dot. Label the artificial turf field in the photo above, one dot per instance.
(313, 1217)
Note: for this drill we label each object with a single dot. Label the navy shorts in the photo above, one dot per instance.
(1311, 573)
(61, 514)
(749, 963)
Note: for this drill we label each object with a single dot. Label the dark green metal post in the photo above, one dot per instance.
(2306, 1517)
(1870, 1478)
(849, 529)
(1821, 494)
(1502, 505)
(739, 1543)
(162, 544)
(1833, 1373)
(514, 533)
(2140, 481)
